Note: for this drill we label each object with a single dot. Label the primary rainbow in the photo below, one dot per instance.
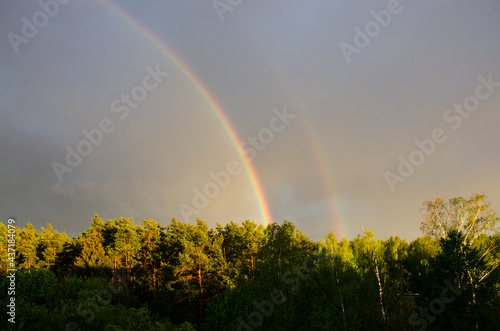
(207, 96)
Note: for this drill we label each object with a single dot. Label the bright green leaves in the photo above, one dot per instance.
(50, 244)
(27, 247)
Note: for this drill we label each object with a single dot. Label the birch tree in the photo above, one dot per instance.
(472, 216)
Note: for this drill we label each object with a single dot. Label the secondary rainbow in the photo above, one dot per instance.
(207, 96)
(339, 220)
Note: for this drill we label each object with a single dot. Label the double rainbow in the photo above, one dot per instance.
(339, 225)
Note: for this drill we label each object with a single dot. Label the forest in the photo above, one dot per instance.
(119, 275)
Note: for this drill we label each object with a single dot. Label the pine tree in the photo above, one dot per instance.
(91, 241)
(201, 263)
(27, 247)
(152, 253)
(123, 243)
(50, 244)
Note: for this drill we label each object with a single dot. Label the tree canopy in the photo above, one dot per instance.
(119, 275)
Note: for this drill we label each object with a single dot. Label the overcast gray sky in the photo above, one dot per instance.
(359, 82)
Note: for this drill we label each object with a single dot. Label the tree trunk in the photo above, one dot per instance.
(377, 275)
(340, 294)
(201, 292)
(380, 289)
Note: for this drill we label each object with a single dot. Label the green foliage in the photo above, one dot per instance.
(27, 247)
(240, 248)
(122, 276)
(201, 264)
(50, 244)
(92, 250)
(131, 319)
(34, 291)
(464, 265)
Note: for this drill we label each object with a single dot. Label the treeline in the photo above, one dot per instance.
(121, 276)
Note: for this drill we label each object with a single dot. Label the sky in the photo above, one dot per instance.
(330, 114)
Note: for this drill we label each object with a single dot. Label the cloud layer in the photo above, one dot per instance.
(356, 115)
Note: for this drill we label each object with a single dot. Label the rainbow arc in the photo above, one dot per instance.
(205, 93)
